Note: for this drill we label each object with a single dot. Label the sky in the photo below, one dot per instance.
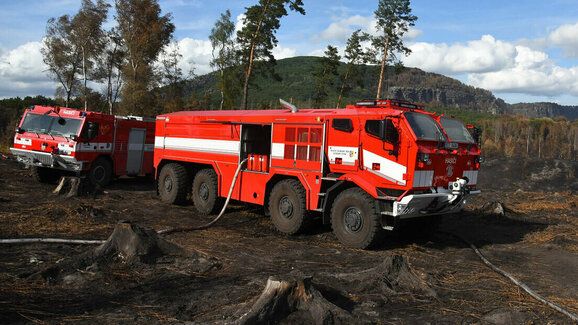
(521, 50)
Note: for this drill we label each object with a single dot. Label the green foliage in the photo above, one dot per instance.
(225, 60)
(72, 46)
(145, 32)
(394, 18)
(325, 76)
(257, 38)
(355, 55)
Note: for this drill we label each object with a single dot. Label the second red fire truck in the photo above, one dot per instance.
(57, 141)
(362, 169)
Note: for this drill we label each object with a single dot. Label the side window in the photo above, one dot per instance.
(342, 124)
(90, 130)
(303, 143)
(374, 127)
(391, 132)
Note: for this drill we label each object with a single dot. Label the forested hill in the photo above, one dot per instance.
(297, 84)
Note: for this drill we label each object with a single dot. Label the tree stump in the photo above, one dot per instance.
(68, 186)
(282, 297)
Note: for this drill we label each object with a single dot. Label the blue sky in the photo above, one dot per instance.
(521, 50)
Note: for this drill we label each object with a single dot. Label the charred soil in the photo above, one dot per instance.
(242, 271)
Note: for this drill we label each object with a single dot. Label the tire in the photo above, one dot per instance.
(174, 184)
(100, 172)
(205, 192)
(287, 205)
(355, 219)
(46, 175)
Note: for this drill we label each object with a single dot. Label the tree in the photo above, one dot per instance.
(145, 32)
(325, 75)
(224, 58)
(61, 56)
(393, 20)
(111, 62)
(171, 79)
(355, 55)
(257, 37)
(89, 37)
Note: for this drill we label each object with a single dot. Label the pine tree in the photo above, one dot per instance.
(326, 75)
(355, 55)
(394, 18)
(257, 37)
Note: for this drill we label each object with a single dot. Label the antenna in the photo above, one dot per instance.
(289, 106)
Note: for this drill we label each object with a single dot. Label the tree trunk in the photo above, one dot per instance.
(249, 70)
(84, 76)
(343, 86)
(222, 88)
(382, 71)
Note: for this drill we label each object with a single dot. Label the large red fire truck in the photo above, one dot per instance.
(56, 141)
(362, 169)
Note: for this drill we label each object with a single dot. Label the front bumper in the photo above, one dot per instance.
(45, 159)
(419, 205)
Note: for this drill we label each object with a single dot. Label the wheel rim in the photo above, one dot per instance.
(99, 173)
(353, 219)
(204, 191)
(168, 181)
(286, 207)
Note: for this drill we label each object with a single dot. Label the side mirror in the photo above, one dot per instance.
(61, 121)
(19, 130)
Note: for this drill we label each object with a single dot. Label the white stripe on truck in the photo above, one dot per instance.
(229, 147)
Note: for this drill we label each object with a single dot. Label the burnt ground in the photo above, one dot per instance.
(536, 240)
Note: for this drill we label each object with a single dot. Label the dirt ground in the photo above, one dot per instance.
(537, 241)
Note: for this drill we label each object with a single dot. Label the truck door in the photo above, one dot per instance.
(297, 146)
(136, 141)
(383, 151)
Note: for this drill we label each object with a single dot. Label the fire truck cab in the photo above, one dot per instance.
(57, 141)
(362, 169)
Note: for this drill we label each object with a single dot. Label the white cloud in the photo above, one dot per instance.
(484, 55)
(22, 71)
(497, 65)
(341, 29)
(533, 73)
(565, 37)
(281, 52)
(197, 55)
(240, 22)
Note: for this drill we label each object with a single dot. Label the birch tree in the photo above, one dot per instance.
(224, 58)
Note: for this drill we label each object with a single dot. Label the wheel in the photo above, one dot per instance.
(46, 175)
(174, 184)
(287, 207)
(355, 219)
(100, 172)
(206, 191)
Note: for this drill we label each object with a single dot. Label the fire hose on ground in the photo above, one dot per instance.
(494, 268)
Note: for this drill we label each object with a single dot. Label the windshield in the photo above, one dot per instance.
(49, 125)
(424, 127)
(456, 131)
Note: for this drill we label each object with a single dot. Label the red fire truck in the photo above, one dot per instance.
(362, 169)
(56, 141)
